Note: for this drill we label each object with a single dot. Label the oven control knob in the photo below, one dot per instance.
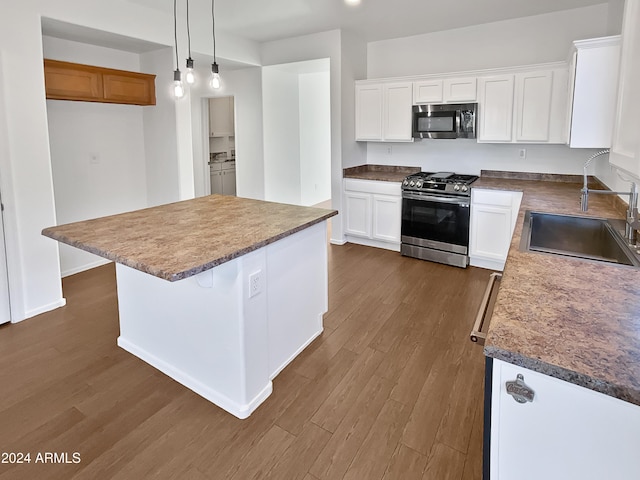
(412, 183)
(419, 184)
(465, 188)
(405, 183)
(456, 187)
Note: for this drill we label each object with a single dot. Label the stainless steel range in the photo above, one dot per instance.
(435, 217)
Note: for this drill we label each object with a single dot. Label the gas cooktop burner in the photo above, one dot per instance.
(439, 182)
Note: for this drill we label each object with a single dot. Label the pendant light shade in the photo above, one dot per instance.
(214, 81)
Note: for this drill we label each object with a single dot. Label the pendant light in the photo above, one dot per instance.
(178, 87)
(214, 81)
(189, 76)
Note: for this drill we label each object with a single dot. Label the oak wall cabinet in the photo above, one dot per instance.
(88, 83)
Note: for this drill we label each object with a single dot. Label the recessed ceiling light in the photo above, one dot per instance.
(352, 2)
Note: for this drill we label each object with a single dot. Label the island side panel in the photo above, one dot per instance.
(205, 331)
(297, 282)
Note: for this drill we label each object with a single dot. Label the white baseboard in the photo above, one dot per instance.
(82, 268)
(224, 402)
(42, 309)
(486, 263)
(374, 243)
(275, 373)
(334, 241)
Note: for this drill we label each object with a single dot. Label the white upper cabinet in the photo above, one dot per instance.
(369, 112)
(445, 90)
(594, 83)
(625, 151)
(383, 112)
(523, 107)
(397, 112)
(495, 108)
(428, 91)
(221, 116)
(460, 90)
(533, 106)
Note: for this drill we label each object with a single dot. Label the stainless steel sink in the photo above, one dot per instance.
(582, 237)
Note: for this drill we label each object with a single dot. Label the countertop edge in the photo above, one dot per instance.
(173, 277)
(564, 374)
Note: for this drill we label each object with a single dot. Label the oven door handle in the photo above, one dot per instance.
(457, 201)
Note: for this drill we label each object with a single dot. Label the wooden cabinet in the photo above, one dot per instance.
(625, 150)
(221, 117)
(567, 431)
(384, 112)
(493, 219)
(373, 212)
(223, 178)
(593, 87)
(523, 107)
(73, 81)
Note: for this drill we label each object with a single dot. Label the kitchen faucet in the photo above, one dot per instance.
(632, 222)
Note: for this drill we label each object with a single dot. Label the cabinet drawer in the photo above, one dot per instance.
(370, 186)
(491, 197)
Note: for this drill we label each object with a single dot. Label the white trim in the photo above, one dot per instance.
(338, 241)
(468, 73)
(86, 266)
(612, 40)
(374, 243)
(497, 265)
(43, 309)
(239, 410)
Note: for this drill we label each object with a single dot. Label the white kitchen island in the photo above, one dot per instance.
(219, 293)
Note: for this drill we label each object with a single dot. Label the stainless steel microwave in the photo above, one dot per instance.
(447, 120)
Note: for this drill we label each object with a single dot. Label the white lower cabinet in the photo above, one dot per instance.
(566, 432)
(223, 178)
(493, 219)
(373, 212)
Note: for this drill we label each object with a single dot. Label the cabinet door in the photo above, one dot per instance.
(625, 151)
(387, 213)
(397, 111)
(595, 86)
(216, 182)
(490, 232)
(533, 106)
(136, 89)
(220, 123)
(368, 112)
(427, 91)
(358, 214)
(67, 81)
(496, 109)
(229, 182)
(567, 432)
(459, 90)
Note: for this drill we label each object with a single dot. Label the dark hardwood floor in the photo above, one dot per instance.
(391, 390)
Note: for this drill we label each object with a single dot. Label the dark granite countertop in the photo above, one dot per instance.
(572, 319)
(383, 173)
(182, 239)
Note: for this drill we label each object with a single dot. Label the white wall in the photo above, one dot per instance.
(34, 270)
(315, 137)
(523, 41)
(281, 120)
(97, 151)
(469, 157)
(614, 17)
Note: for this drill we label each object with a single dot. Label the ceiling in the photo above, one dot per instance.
(265, 20)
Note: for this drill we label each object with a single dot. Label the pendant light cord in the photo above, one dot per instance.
(188, 30)
(175, 31)
(213, 22)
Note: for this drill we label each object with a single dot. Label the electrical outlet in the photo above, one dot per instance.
(255, 283)
(523, 153)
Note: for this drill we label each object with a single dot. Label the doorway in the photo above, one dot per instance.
(221, 160)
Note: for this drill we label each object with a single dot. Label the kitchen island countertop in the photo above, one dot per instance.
(179, 240)
(572, 319)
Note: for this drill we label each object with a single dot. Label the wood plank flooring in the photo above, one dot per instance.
(391, 390)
